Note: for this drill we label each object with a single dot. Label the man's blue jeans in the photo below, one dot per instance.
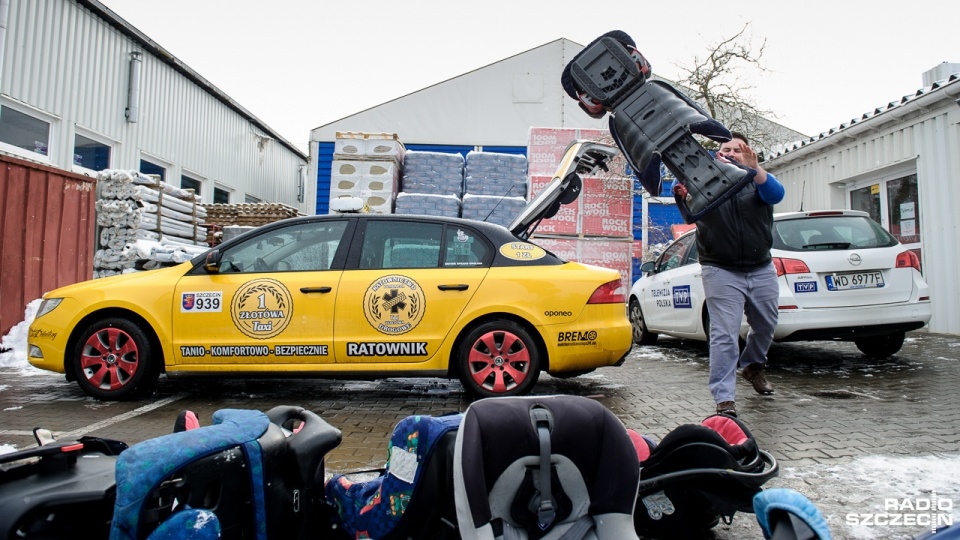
(730, 295)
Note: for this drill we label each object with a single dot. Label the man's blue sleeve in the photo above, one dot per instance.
(771, 191)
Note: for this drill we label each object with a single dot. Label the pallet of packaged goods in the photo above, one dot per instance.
(495, 174)
(492, 209)
(367, 146)
(145, 223)
(426, 204)
(250, 214)
(432, 173)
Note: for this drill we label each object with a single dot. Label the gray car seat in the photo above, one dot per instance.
(544, 467)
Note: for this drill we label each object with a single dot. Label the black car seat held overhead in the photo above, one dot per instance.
(652, 121)
(544, 467)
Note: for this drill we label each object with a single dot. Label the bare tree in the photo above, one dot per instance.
(716, 82)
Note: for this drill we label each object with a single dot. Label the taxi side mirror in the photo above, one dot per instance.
(212, 264)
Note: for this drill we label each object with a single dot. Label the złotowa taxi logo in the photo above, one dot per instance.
(394, 304)
(262, 308)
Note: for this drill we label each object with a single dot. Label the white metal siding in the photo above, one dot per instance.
(927, 139)
(64, 60)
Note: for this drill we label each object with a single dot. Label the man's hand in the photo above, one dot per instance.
(740, 152)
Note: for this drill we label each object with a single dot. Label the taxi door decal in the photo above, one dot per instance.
(262, 308)
(394, 304)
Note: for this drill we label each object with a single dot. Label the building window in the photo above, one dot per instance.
(221, 196)
(90, 154)
(147, 167)
(190, 183)
(24, 131)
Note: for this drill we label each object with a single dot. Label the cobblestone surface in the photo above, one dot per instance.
(833, 409)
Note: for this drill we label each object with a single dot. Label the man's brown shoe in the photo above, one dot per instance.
(754, 374)
(727, 407)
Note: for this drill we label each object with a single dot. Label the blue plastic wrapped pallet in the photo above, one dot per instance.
(432, 173)
(495, 174)
(431, 205)
(492, 209)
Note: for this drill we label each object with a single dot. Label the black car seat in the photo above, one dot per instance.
(698, 475)
(544, 467)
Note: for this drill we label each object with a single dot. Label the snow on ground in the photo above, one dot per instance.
(879, 496)
(15, 342)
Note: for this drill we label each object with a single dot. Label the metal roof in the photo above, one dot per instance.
(934, 92)
(156, 50)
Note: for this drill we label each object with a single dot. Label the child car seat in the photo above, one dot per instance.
(247, 475)
(699, 474)
(651, 122)
(46, 490)
(413, 496)
(544, 467)
(784, 514)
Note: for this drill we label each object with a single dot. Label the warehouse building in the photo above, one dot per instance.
(82, 90)
(900, 163)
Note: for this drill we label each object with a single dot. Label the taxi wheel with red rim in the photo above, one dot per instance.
(113, 360)
(499, 358)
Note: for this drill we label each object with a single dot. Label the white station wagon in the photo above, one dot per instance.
(842, 277)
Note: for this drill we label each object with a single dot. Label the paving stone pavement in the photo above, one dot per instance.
(834, 411)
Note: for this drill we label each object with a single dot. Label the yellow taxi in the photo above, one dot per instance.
(351, 295)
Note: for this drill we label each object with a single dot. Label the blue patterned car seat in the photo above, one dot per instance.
(248, 475)
(544, 467)
(413, 496)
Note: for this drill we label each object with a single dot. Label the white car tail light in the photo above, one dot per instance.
(789, 266)
(908, 259)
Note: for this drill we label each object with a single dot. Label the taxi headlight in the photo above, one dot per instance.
(48, 305)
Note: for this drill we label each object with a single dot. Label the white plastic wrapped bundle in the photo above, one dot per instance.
(117, 213)
(156, 251)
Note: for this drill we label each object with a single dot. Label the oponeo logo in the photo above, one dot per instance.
(558, 313)
(932, 512)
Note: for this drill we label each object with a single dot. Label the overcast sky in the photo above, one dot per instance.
(300, 64)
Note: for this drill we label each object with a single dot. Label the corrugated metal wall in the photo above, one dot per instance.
(47, 237)
(65, 61)
(926, 142)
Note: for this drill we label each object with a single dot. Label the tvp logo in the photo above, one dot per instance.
(681, 297)
(805, 286)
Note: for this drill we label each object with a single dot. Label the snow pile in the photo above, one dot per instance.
(14, 344)
(145, 223)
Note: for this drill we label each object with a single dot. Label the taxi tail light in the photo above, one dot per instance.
(908, 259)
(609, 293)
(790, 266)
